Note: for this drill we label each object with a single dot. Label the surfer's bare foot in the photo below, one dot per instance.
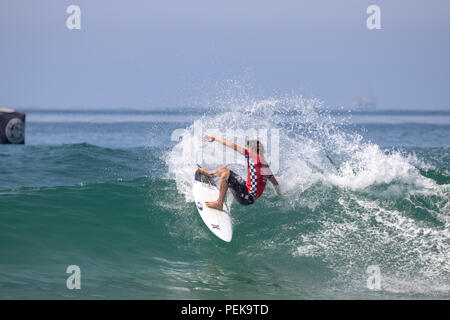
(214, 205)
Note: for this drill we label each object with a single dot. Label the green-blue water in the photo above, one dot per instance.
(109, 192)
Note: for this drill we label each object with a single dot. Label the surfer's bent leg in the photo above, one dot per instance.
(224, 174)
(238, 187)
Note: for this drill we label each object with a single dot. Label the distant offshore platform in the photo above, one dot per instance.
(368, 103)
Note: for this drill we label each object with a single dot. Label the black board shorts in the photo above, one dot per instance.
(238, 188)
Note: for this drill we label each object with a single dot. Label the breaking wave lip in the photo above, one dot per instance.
(383, 200)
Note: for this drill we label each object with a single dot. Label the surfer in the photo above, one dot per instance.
(258, 172)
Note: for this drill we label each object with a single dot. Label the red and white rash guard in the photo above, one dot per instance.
(258, 172)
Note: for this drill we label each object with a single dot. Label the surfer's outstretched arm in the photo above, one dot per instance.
(227, 143)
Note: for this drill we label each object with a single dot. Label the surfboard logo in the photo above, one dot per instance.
(215, 226)
(199, 206)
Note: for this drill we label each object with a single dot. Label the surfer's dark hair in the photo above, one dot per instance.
(256, 146)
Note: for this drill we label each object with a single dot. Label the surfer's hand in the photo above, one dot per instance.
(277, 190)
(208, 138)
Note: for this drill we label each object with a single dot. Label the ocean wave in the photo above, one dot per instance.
(350, 202)
(124, 214)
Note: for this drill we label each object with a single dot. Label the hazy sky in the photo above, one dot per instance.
(178, 53)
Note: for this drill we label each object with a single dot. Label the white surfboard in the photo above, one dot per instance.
(219, 222)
